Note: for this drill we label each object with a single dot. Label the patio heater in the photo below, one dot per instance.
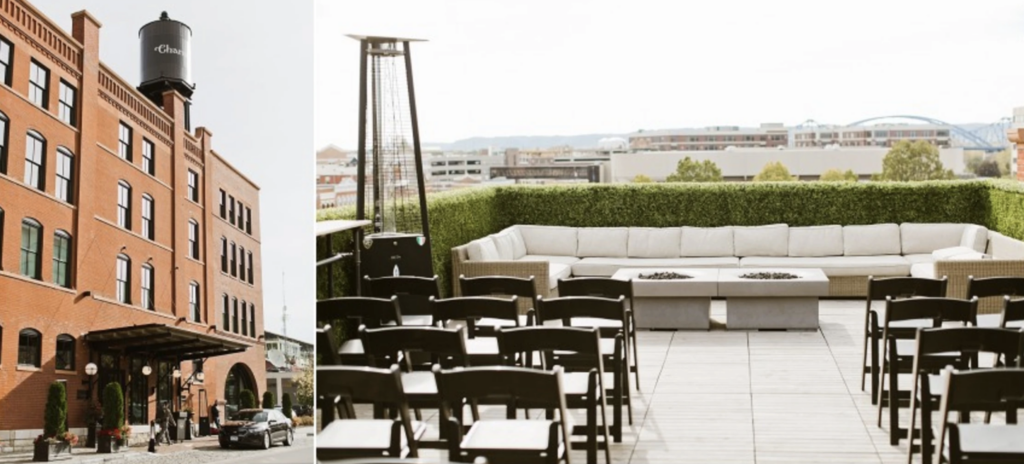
(390, 184)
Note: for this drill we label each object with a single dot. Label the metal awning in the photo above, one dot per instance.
(159, 341)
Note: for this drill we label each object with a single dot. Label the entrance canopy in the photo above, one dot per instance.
(159, 341)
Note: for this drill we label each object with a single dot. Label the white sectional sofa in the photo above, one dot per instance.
(847, 254)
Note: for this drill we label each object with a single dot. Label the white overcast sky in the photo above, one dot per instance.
(252, 64)
(531, 67)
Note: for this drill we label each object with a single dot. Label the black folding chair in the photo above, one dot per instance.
(354, 312)
(523, 287)
(957, 347)
(570, 310)
(583, 383)
(608, 288)
(899, 349)
(1013, 313)
(413, 294)
(993, 287)
(481, 345)
(989, 390)
(380, 436)
(508, 441)
(897, 288)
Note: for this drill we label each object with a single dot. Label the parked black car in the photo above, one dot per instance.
(257, 427)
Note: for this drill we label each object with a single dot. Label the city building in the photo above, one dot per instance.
(1016, 136)
(710, 138)
(744, 164)
(129, 248)
(286, 359)
(878, 135)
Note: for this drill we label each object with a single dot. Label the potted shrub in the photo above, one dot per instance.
(286, 405)
(246, 400)
(55, 439)
(111, 436)
(268, 400)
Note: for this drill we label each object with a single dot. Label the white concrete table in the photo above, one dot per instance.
(672, 304)
(772, 304)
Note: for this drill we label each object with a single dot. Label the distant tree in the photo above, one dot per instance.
(915, 161)
(286, 405)
(835, 175)
(973, 159)
(642, 179)
(1003, 159)
(688, 170)
(988, 168)
(304, 386)
(774, 171)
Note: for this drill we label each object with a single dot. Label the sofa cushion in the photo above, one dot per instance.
(557, 271)
(503, 242)
(518, 245)
(975, 237)
(605, 267)
(926, 238)
(816, 241)
(550, 259)
(924, 270)
(886, 265)
(872, 240)
(707, 241)
(650, 242)
(769, 240)
(482, 249)
(549, 240)
(951, 252)
(602, 241)
(919, 258)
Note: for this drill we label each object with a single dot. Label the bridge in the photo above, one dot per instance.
(988, 138)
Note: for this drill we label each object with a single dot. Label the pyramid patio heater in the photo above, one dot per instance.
(390, 190)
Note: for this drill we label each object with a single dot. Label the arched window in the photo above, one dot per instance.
(29, 348)
(193, 239)
(124, 289)
(3, 138)
(35, 160)
(65, 358)
(147, 287)
(31, 259)
(63, 188)
(124, 205)
(61, 258)
(148, 230)
(193, 301)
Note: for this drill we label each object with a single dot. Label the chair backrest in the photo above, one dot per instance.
(995, 286)
(1007, 344)
(384, 345)
(1013, 311)
(595, 286)
(549, 340)
(937, 309)
(522, 287)
(412, 291)
(326, 347)
(904, 287)
(475, 307)
(371, 312)
(360, 384)
(570, 307)
(543, 388)
(986, 390)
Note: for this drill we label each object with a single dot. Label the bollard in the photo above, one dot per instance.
(152, 439)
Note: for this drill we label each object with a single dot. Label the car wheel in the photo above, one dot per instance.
(266, 441)
(289, 438)
(224, 444)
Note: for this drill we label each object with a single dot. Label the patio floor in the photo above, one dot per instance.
(752, 397)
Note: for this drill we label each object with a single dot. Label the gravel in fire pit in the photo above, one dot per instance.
(770, 276)
(664, 276)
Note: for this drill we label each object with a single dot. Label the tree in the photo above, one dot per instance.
(1003, 160)
(246, 400)
(56, 411)
(989, 168)
(642, 179)
(688, 170)
(774, 171)
(304, 386)
(268, 400)
(915, 161)
(835, 175)
(286, 405)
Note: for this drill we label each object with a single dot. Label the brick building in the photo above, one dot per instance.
(712, 138)
(126, 241)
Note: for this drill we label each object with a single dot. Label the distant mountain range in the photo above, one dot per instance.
(524, 141)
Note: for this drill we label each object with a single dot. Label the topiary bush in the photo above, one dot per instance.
(113, 407)
(246, 400)
(56, 411)
(286, 405)
(268, 400)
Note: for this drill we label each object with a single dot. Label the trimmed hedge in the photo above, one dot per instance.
(1006, 208)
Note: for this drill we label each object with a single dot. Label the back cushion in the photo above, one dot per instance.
(503, 242)
(816, 241)
(602, 242)
(707, 241)
(483, 250)
(646, 242)
(518, 245)
(871, 240)
(975, 237)
(770, 240)
(926, 238)
(1003, 247)
(549, 240)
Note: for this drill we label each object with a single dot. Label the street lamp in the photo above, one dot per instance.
(177, 373)
(90, 369)
(146, 370)
(200, 376)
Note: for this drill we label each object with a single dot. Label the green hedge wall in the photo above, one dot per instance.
(1006, 208)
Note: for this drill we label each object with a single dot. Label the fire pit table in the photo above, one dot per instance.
(672, 303)
(771, 302)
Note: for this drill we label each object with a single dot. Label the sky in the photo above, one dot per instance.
(530, 67)
(252, 64)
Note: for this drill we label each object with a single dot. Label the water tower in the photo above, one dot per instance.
(166, 47)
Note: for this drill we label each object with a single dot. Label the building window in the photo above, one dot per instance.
(148, 229)
(193, 301)
(250, 268)
(234, 260)
(61, 252)
(148, 164)
(223, 255)
(241, 215)
(29, 348)
(223, 204)
(193, 239)
(124, 279)
(227, 319)
(193, 186)
(124, 141)
(245, 319)
(3, 143)
(252, 319)
(65, 358)
(124, 205)
(6, 55)
(35, 147)
(231, 209)
(234, 315)
(31, 263)
(1, 239)
(63, 187)
(66, 105)
(241, 263)
(138, 394)
(147, 287)
(38, 84)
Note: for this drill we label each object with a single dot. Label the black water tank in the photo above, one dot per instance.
(166, 58)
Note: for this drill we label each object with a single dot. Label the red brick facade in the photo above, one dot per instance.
(90, 217)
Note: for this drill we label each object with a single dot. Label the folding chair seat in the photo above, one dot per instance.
(990, 288)
(525, 288)
(413, 294)
(481, 346)
(608, 288)
(354, 312)
(990, 390)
